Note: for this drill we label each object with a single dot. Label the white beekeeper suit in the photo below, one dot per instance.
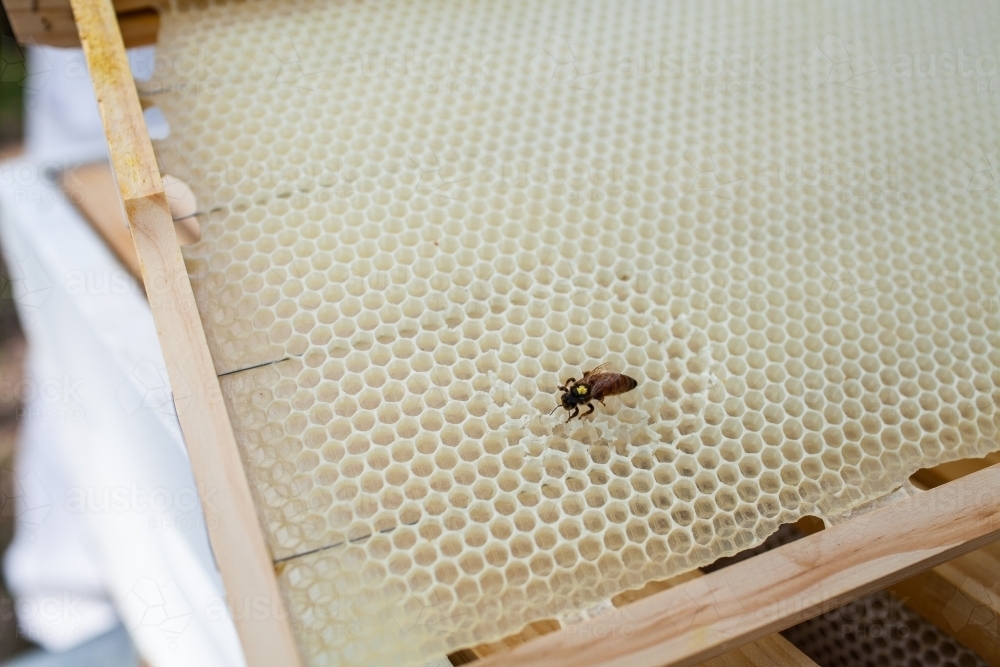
(109, 526)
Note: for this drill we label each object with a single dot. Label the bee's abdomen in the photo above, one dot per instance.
(620, 385)
(623, 384)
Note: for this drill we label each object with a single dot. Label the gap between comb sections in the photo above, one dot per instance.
(261, 365)
(340, 544)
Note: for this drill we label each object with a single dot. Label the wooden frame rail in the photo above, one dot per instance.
(770, 651)
(701, 619)
(237, 541)
(683, 625)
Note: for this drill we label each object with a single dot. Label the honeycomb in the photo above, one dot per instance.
(425, 217)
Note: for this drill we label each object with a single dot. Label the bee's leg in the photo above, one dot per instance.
(574, 413)
(602, 402)
(590, 411)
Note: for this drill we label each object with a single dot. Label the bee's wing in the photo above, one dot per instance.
(603, 368)
(609, 384)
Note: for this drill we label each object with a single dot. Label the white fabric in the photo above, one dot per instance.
(62, 122)
(63, 125)
(109, 522)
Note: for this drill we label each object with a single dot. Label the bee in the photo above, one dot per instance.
(595, 385)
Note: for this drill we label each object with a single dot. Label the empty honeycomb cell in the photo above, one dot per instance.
(401, 267)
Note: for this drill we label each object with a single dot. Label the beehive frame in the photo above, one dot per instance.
(689, 623)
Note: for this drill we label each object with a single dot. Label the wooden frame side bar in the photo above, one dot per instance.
(234, 530)
(708, 616)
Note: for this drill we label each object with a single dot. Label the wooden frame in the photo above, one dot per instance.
(237, 541)
(683, 625)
